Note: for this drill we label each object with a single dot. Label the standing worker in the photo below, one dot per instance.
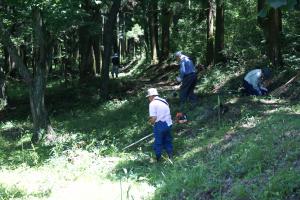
(188, 78)
(253, 81)
(160, 118)
(116, 63)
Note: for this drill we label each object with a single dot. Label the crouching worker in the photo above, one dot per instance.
(160, 118)
(254, 79)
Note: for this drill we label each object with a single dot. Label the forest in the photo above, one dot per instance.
(75, 104)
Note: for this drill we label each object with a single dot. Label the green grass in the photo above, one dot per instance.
(250, 152)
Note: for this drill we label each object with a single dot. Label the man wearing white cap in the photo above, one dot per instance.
(188, 77)
(160, 118)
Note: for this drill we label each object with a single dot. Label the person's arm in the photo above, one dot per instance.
(257, 82)
(182, 69)
(152, 114)
(152, 120)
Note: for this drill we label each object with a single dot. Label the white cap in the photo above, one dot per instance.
(178, 53)
(152, 92)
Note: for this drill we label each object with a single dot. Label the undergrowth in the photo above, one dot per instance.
(249, 151)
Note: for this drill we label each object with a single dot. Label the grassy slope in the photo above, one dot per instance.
(252, 151)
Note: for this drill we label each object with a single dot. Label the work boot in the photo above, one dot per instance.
(170, 155)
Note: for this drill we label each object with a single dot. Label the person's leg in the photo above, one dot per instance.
(112, 72)
(158, 140)
(184, 89)
(191, 95)
(249, 89)
(117, 71)
(167, 142)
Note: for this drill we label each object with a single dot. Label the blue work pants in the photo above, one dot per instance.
(162, 139)
(252, 91)
(187, 89)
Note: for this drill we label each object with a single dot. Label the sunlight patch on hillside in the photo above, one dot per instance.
(97, 190)
(74, 175)
(115, 104)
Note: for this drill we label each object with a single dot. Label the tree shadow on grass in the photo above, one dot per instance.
(202, 154)
(19, 150)
(118, 123)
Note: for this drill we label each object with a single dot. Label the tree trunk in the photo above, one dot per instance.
(273, 39)
(272, 27)
(108, 42)
(210, 34)
(219, 40)
(3, 97)
(153, 32)
(36, 84)
(41, 122)
(146, 29)
(156, 27)
(97, 52)
(12, 51)
(115, 46)
(165, 35)
(6, 60)
(262, 21)
(23, 54)
(123, 37)
(86, 57)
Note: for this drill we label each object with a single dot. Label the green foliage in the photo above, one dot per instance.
(136, 32)
(282, 4)
(214, 80)
(246, 158)
(10, 193)
(251, 154)
(239, 191)
(283, 184)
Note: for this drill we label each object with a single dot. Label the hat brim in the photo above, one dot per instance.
(149, 95)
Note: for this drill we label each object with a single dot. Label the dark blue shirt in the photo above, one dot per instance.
(186, 66)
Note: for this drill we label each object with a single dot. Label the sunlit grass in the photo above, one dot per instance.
(136, 69)
(75, 174)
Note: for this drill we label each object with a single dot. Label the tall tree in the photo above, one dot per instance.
(166, 19)
(6, 61)
(86, 40)
(145, 22)
(3, 97)
(210, 33)
(219, 35)
(153, 27)
(273, 37)
(96, 39)
(108, 42)
(86, 54)
(270, 20)
(37, 80)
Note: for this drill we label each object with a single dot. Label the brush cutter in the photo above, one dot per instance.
(147, 136)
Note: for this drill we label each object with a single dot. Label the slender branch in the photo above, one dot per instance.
(16, 59)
